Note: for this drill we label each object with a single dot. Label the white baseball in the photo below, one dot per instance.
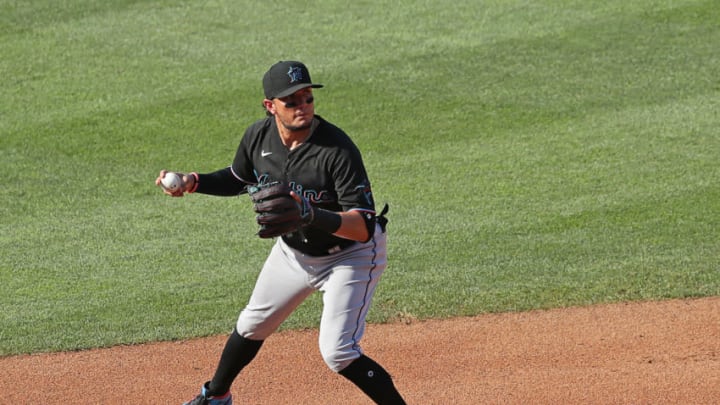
(171, 182)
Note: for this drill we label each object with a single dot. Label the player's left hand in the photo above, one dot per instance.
(278, 210)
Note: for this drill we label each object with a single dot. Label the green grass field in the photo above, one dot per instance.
(534, 154)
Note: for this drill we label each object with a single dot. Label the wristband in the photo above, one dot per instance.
(328, 221)
(196, 184)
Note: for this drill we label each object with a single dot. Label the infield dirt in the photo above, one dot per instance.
(631, 353)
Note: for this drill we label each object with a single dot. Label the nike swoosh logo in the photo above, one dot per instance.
(263, 153)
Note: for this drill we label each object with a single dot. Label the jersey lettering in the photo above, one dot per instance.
(313, 196)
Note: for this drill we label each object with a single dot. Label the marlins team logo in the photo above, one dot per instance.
(295, 74)
(367, 192)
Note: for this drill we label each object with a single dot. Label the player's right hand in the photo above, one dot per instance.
(188, 183)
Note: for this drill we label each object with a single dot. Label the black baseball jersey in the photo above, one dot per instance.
(327, 169)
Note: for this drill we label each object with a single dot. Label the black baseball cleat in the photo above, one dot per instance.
(205, 399)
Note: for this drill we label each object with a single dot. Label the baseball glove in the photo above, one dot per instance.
(278, 213)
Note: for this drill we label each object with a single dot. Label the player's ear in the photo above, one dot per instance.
(269, 106)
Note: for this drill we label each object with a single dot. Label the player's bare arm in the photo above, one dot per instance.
(352, 226)
(348, 224)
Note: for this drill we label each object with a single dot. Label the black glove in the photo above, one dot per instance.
(278, 211)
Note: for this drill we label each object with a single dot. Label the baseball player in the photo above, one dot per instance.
(309, 187)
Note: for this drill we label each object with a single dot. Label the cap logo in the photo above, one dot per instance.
(295, 74)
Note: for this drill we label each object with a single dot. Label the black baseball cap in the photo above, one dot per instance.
(285, 78)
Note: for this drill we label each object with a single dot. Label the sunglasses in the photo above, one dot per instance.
(294, 103)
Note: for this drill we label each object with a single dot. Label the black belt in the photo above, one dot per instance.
(318, 252)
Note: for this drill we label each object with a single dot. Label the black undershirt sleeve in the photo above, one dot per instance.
(220, 183)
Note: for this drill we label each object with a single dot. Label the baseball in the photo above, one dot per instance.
(171, 182)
